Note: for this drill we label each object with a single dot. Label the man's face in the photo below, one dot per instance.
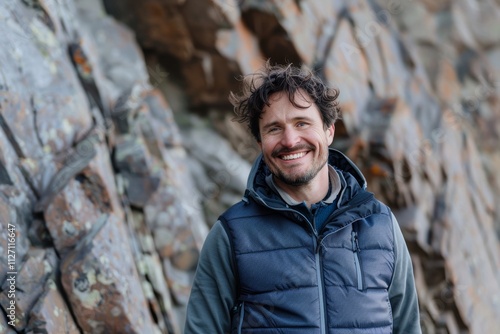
(294, 141)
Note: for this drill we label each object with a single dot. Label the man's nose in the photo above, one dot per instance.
(289, 138)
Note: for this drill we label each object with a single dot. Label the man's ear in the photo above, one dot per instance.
(330, 133)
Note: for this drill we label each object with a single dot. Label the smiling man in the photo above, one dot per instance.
(308, 249)
(294, 144)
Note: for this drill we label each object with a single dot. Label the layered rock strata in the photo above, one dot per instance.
(94, 179)
(111, 196)
(420, 90)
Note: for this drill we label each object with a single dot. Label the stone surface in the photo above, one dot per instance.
(76, 208)
(274, 40)
(166, 216)
(10, 173)
(368, 25)
(415, 20)
(241, 45)
(220, 175)
(389, 120)
(51, 314)
(162, 293)
(94, 168)
(203, 19)
(486, 12)
(346, 69)
(171, 34)
(132, 156)
(396, 71)
(102, 283)
(29, 283)
(447, 85)
(117, 60)
(68, 70)
(15, 215)
(223, 165)
(165, 127)
(151, 274)
(415, 226)
(237, 134)
(5, 328)
(210, 77)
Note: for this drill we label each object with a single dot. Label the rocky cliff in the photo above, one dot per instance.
(117, 149)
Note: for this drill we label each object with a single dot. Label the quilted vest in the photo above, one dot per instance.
(292, 279)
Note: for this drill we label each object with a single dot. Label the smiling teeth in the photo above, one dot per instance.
(293, 156)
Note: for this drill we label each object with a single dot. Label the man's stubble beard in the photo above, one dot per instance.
(300, 180)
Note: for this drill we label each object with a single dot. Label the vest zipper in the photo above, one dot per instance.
(242, 314)
(321, 288)
(355, 251)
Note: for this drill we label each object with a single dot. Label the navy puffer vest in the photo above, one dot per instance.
(291, 279)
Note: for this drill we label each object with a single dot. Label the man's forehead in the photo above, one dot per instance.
(300, 97)
(284, 111)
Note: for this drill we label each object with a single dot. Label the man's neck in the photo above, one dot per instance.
(310, 193)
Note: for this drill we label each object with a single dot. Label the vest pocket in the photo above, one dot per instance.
(355, 251)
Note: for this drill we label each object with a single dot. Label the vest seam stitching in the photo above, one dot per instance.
(230, 235)
(271, 250)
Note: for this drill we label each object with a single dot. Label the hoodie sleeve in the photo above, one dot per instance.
(402, 291)
(214, 290)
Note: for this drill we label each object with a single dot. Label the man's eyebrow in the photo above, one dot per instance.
(295, 119)
(301, 118)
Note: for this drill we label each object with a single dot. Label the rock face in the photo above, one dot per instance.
(108, 198)
(94, 183)
(420, 99)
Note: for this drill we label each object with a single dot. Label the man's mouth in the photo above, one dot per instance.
(293, 156)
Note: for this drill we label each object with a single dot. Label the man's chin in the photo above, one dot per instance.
(295, 180)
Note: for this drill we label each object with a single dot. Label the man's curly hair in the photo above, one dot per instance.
(259, 86)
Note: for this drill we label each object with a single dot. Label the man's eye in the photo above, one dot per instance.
(301, 124)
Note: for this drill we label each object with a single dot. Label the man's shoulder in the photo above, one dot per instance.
(380, 211)
(383, 208)
(248, 207)
(237, 210)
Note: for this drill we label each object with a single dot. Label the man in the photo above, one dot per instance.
(308, 249)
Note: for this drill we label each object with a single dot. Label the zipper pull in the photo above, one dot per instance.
(355, 243)
(356, 251)
(318, 245)
(236, 307)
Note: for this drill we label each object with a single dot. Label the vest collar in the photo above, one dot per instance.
(335, 186)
